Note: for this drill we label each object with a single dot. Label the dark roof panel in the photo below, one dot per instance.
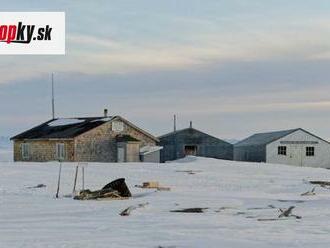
(62, 128)
(264, 138)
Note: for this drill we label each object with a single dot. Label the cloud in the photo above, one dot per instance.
(91, 41)
(96, 54)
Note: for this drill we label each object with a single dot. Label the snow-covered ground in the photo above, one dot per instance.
(236, 195)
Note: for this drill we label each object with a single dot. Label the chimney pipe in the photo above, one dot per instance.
(190, 124)
(105, 112)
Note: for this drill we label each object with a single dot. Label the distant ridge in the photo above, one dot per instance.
(5, 142)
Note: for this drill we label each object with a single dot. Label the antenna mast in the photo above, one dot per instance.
(174, 123)
(53, 100)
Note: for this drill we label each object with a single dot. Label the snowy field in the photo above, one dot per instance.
(236, 195)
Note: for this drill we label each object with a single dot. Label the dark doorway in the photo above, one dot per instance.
(190, 150)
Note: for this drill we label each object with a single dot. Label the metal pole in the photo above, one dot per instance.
(59, 180)
(75, 181)
(301, 155)
(53, 100)
(83, 178)
(175, 139)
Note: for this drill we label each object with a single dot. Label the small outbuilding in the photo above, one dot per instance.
(292, 147)
(191, 141)
(87, 139)
(150, 154)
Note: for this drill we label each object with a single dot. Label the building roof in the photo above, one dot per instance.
(189, 129)
(62, 128)
(265, 138)
(68, 128)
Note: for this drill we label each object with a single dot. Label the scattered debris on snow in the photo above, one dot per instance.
(190, 172)
(288, 213)
(115, 190)
(189, 210)
(127, 211)
(311, 192)
(262, 208)
(37, 186)
(323, 184)
(153, 185)
(285, 214)
(292, 201)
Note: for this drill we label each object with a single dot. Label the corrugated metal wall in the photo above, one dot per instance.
(251, 153)
(207, 146)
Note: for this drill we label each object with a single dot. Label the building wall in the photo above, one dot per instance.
(133, 152)
(99, 144)
(207, 146)
(153, 157)
(252, 153)
(43, 150)
(296, 153)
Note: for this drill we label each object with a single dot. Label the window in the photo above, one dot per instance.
(190, 150)
(281, 150)
(117, 126)
(60, 152)
(25, 149)
(310, 151)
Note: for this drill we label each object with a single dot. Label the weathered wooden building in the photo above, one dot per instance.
(91, 139)
(292, 147)
(191, 141)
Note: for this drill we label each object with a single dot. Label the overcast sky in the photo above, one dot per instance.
(233, 67)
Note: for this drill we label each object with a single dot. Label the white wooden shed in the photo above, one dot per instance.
(292, 147)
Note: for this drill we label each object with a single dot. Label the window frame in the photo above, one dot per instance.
(282, 150)
(60, 151)
(117, 126)
(310, 151)
(25, 150)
